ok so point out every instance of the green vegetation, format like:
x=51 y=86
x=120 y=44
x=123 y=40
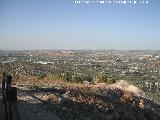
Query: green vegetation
x=105 y=79
x=107 y=66
x=41 y=76
x=154 y=95
x=68 y=77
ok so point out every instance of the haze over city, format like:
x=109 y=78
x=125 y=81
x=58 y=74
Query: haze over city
x=62 y=24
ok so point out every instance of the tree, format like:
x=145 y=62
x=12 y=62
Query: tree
x=104 y=79
x=68 y=76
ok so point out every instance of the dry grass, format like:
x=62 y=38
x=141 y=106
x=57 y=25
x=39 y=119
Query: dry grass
x=79 y=101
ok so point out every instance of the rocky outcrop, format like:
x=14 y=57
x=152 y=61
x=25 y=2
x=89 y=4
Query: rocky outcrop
x=125 y=86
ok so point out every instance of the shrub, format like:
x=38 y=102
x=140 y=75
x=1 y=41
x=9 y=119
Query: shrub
x=103 y=78
x=42 y=76
x=68 y=77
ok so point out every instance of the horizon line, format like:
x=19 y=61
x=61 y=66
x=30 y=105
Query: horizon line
x=93 y=49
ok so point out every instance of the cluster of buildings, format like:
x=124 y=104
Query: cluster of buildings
x=130 y=65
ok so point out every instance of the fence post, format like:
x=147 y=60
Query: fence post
x=3 y=87
x=9 y=96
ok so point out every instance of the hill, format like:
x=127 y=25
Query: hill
x=61 y=100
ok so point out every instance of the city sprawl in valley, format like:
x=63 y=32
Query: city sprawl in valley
x=140 y=67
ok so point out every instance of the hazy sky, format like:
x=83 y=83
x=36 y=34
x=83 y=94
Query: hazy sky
x=62 y=24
